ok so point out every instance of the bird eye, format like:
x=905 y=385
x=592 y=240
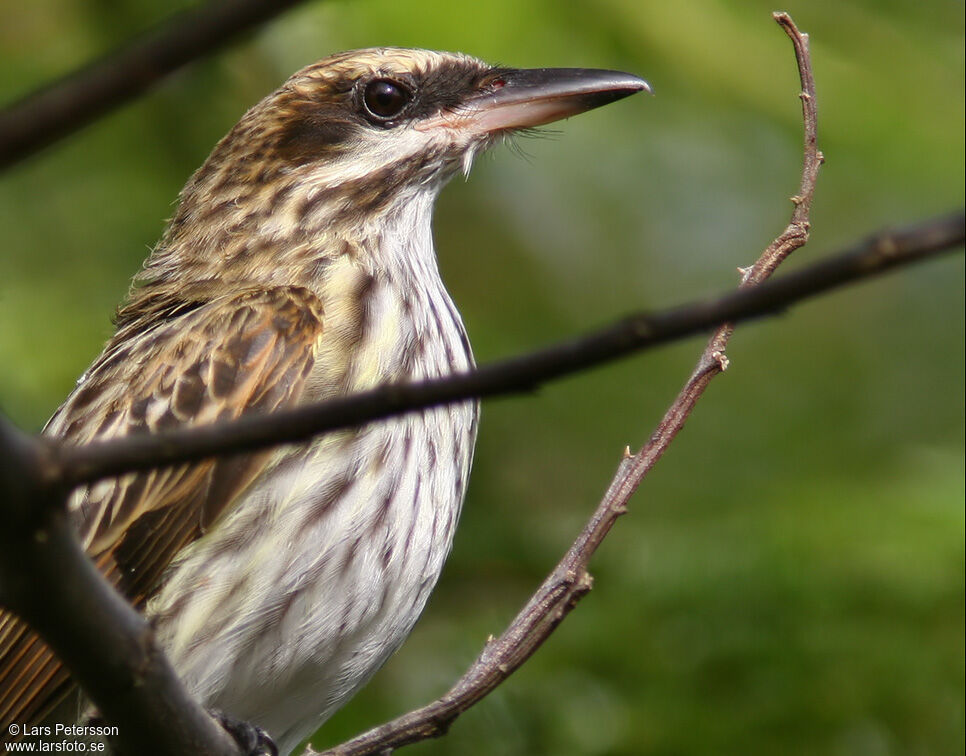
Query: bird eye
x=385 y=99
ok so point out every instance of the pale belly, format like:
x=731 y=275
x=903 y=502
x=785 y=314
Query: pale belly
x=281 y=612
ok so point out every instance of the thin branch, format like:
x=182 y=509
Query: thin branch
x=75 y=465
x=796 y=234
x=69 y=104
x=713 y=360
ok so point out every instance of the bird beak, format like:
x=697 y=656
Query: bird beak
x=524 y=98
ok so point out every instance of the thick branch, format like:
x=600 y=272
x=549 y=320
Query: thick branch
x=111 y=651
x=882 y=252
x=67 y=105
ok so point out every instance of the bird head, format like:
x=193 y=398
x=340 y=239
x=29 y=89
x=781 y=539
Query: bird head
x=404 y=117
x=349 y=143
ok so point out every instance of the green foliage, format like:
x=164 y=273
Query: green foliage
x=790 y=579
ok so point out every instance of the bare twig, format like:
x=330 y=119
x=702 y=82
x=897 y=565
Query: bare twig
x=713 y=360
x=67 y=105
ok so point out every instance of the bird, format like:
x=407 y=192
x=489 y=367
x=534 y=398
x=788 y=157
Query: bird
x=299 y=266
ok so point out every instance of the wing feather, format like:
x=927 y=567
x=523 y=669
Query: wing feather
x=247 y=352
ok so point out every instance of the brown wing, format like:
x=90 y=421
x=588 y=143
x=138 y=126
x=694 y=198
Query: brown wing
x=249 y=352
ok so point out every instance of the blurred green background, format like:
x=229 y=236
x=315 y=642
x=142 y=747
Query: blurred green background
x=790 y=578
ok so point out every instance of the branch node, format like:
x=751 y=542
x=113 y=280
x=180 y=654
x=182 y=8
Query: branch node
x=886 y=247
x=640 y=326
x=571 y=577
